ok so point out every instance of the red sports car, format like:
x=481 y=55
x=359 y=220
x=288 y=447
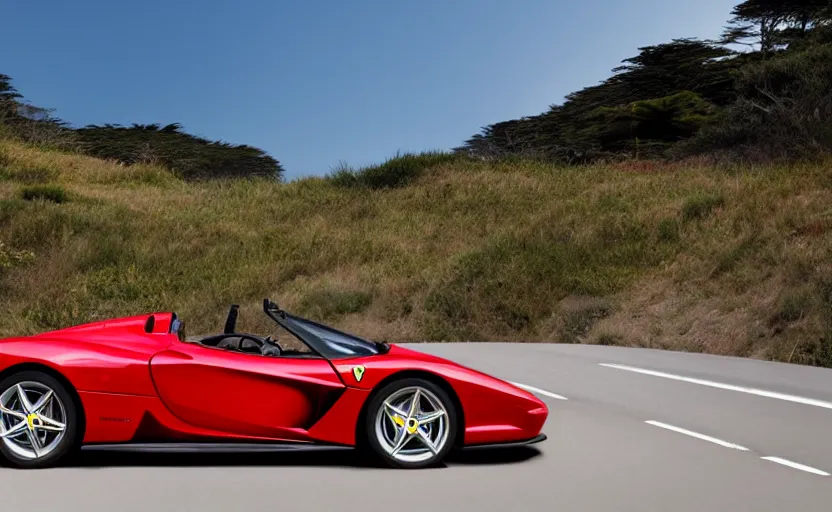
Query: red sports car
x=139 y=381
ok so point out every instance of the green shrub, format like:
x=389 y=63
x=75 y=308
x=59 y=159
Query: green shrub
x=579 y=319
x=511 y=281
x=5 y=161
x=395 y=172
x=610 y=340
x=28 y=174
x=701 y=206
x=729 y=259
x=669 y=230
x=794 y=306
x=647 y=127
x=344 y=176
x=824 y=354
x=327 y=303
x=140 y=174
x=784 y=111
x=52 y=193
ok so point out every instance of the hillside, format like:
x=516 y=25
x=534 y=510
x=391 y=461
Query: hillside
x=758 y=93
x=676 y=256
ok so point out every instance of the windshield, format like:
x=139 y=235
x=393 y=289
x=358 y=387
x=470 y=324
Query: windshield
x=324 y=341
x=337 y=344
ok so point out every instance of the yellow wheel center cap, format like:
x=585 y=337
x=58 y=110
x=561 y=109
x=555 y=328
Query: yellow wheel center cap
x=412 y=426
x=31 y=420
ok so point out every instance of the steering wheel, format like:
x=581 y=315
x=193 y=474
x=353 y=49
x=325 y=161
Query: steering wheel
x=270 y=347
x=265 y=347
x=258 y=342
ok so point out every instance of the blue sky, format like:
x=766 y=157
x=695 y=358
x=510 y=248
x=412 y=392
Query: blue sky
x=318 y=82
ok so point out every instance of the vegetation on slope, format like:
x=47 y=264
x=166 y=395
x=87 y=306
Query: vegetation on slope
x=690 y=96
x=502 y=239
x=189 y=156
x=679 y=256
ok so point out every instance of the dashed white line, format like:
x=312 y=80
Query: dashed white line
x=719 y=385
x=539 y=391
x=795 y=465
x=778 y=460
x=697 y=435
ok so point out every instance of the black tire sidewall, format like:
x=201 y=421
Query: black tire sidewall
x=377 y=401
x=71 y=433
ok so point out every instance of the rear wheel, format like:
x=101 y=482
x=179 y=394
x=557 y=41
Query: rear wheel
x=38 y=420
x=411 y=423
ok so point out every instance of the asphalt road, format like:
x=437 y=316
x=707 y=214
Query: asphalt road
x=660 y=431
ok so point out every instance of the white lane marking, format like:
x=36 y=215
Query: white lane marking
x=538 y=390
x=795 y=465
x=730 y=387
x=697 y=435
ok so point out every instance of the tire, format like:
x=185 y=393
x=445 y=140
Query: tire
x=60 y=409
x=381 y=430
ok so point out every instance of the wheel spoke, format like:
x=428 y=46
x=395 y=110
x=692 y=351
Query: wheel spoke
x=50 y=424
x=426 y=441
x=50 y=428
x=401 y=439
x=42 y=402
x=16 y=414
x=396 y=415
x=414 y=403
x=35 y=442
x=24 y=400
x=430 y=417
x=15 y=430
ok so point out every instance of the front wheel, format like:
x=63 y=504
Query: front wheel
x=37 y=420
x=411 y=423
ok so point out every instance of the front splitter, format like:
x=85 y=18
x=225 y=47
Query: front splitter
x=510 y=444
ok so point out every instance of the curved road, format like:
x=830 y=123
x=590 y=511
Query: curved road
x=629 y=429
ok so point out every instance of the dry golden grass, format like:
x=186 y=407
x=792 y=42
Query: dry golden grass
x=683 y=257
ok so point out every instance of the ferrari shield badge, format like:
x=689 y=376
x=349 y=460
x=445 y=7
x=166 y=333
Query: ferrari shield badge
x=358 y=373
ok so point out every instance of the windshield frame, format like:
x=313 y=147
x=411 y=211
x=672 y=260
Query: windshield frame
x=303 y=329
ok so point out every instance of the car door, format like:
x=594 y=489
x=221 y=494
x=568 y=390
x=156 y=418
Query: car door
x=244 y=394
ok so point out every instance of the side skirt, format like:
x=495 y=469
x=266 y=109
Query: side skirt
x=213 y=447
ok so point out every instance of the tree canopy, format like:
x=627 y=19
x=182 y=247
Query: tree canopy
x=191 y=156
x=665 y=94
x=169 y=145
x=685 y=93
x=578 y=129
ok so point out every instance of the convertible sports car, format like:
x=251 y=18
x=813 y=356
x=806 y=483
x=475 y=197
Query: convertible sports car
x=139 y=381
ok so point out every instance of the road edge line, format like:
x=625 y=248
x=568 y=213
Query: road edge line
x=730 y=387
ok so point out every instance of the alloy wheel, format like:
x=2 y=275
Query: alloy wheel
x=32 y=420
x=412 y=425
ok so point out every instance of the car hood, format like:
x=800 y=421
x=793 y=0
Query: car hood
x=374 y=369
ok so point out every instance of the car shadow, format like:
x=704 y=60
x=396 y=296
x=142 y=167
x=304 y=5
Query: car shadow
x=345 y=458
x=494 y=456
